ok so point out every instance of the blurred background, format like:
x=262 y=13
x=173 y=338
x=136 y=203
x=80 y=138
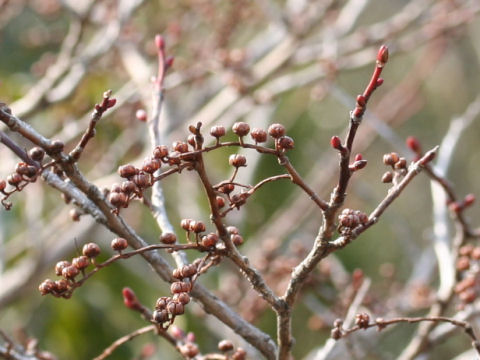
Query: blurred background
x=297 y=62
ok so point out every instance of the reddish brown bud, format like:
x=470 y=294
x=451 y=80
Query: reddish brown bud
x=169 y=62
x=111 y=103
x=56 y=146
x=118 y=199
x=413 y=144
x=361 y=101
x=3 y=185
x=80 y=262
x=362 y=320
x=174 y=158
x=217 y=131
x=46 y=287
x=180 y=146
x=286 y=143
x=388 y=160
x=160 y=316
x=151 y=165
x=232 y=230
x=241 y=128
x=185 y=224
x=160 y=152
x=227 y=188
x=210 y=240
x=239 y=354
x=141 y=180
x=141 y=115
x=258 y=135
x=179 y=286
x=220 y=202
x=387 y=177
x=237 y=160
x=119 y=244
x=188 y=270
x=162 y=302
x=379 y=82
x=358 y=165
x=382 y=55
x=182 y=298
x=75 y=214
x=401 y=163
x=61 y=285
x=191 y=140
x=60 y=266
x=129 y=298
x=168 y=238
x=276 y=130
x=70 y=272
x=175 y=308
x=115 y=188
x=36 y=153
x=197 y=226
x=336 y=143
x=358 y=157
x=128 y=187
x=225 y=345
x=127 y=171
x=14 y=179
x=189 y=350
x=236 y=239
x=91 y=250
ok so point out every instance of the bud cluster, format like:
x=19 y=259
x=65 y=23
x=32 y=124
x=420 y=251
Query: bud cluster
x=350 y=219
x=468 y=266
x=398 y=165
x=167 y=308
x=69 y=270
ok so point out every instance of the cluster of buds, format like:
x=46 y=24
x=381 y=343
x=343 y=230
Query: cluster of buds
x=187 y=346
x=69 y=270
x=362 y=320
x=167 y=308
x=24 y=174
x=350 y=219
x=398 y=165
x=468 y=266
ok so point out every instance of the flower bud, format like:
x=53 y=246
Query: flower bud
x=46 y=287
x=217 y=131
x=286 y=143
x=127 y=171
x=60 y=266
x=119 y=244
x=382 y=55
x=241 y=128
x=141 y=115
x=237 y=160
x=36 y=153
x=80 y=262
x=225 y=345
x=160 y=152
x=91 y=250
x=70 y=272
x=258 y=135
x=210 y=240
x=168 y=238
x=276 y=130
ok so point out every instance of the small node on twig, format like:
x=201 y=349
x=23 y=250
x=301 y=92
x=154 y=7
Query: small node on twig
x=75 y=214
x=387 y=177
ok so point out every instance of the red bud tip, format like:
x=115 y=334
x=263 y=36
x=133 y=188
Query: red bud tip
x=129 y=298
x=159 y=42
x=379 y=82
x=141 y=115
x=455 y=207
x=382 y=55
x=469 y=199
x=111 y=103
x=358 y=157
x=413 y=144
x=336 y=142
x=361 y=100
x=169 y=62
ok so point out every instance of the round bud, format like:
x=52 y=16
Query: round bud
x=241 y=128
x=141 y=115
x=276 y=130
x=14 y=179
x=191 y=140
x=162 y=302
x=128 y=187
x=336 y=143
x=185 y=224
x=151 y=165
x=388 y=160
x=177 y=274
x=182 y=298
x=387 y=177
x=91 y=250
x=401 y=163
x=227 y=188
x=118 y=199
x=237 y=160
x=46 y=287
x=61 y=285
x=225 y=345
x=168 y=238
x=413 y=144
x=286 y=143
x=258 y=135
x=56 y=146
x=80 y=262
x=119 y=244
x=236 y=239
x=179 y=286
x=174 y=158
x=36 y=153
x=175 y=308
x=160 y=316
x=210 y=240
x=3 y=185
x=70 y=272
x=180 y=146
x=395 y=157
x=141 y=180
x=362 y=320
x=21 y=168
x=189 y=350
x=160 y=152
x=197 y=226
x=60 y=266
x=232 y=230
x=217 y=131
x=115 y=188
x=220 y=202
x=127 y=171
x=188 y=270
